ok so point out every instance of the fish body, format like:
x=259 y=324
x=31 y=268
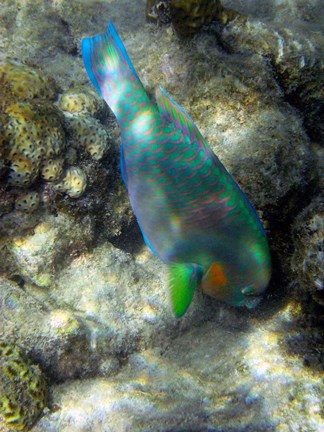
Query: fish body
x=192 y=213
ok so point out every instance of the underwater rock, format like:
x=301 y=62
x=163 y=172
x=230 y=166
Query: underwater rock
x=308 y=258
x=37 y=256
x=158 y=10
x=57 y=339
x=237 y=105
x=97 y=310
x=226 y=375
x=23 y=389
x=294 y=52
x=188 y=17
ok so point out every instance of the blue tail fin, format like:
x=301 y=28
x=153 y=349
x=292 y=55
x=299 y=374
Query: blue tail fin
x=107 y=62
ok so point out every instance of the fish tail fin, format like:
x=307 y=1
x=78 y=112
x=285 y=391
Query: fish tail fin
x=183 y=280
x=109 y=67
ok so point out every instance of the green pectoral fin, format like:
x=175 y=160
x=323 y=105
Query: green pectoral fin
x=183 y=279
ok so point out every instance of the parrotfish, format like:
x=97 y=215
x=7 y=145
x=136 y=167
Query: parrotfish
x=191 y=212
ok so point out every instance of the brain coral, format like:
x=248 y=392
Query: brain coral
x=23 y=389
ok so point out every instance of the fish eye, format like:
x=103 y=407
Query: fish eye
x=248 y=290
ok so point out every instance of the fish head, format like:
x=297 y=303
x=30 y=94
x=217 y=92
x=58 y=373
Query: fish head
x=241 y=281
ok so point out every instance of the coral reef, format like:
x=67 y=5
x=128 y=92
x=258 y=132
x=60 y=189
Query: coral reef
x=48 y=149
x=90 y=134
x=23 y=389
x=27 y=202
x=73 y=183
x=308 y=257
x=96 y=318
x=81 y=100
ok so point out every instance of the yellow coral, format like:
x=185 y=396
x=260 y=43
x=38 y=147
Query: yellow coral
x=27 y=202
x=23 y=389
x=73 y=183
x=52 y=169
x=90 y=134
x=33 y=134
x=23 y=171
x=25 y=82
x=81 y=100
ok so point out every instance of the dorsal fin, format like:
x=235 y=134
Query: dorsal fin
x=174 y=113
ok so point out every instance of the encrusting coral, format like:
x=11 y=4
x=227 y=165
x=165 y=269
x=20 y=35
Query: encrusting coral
x=89 y=134
x=27 y=202
x=33 y=133
x=39 y=132
x=80 y=100
x=73 y=183
x=23 y=389
x=33 y=128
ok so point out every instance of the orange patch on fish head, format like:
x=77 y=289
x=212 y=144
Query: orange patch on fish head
x=215 y=282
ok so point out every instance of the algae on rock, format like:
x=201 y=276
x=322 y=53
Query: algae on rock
x=225 y=375
x=308 y=258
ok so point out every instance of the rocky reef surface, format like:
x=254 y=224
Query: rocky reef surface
x=83 y=302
